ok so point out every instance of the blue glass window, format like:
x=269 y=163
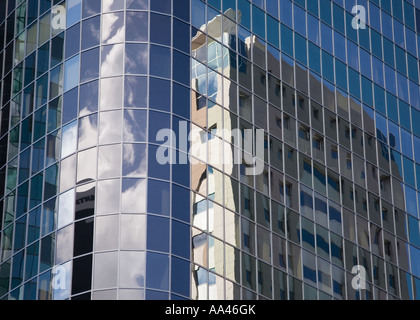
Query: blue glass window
x=409 y=176
x=245 y=8
x=181 y=239
x=138 y=24
x=387 y=25
x=158 y=233
x=402 y=87
x=286 y=12
x=160 y=28
x=353 y=55
x=415 y=261
x=182 y=9
x=314 y=58
x=405 y=115
x=71 y=73
x=157 y=271
x=74 y=12
x=163 y=6
x=198 y=9
x=338 y=14
x=328 y=66
x=367 y=96
x=365 y=65
x=300 y=19
x=325 y=11
x=157 y=169
x=300 y=49
x=273 y=31
x=312 y=7
x=160 y=92
x=354 y=83
x=180 y=278
x=160 y=61
x=376 y=39
x=390 y=80
x=313 y=29
x=258 y=21
x=158 y=197
x=326 y=38
x=339 y=46
x=287 y=40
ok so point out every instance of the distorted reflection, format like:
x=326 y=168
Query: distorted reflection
x=110 y=127
x=88 y=98
x=112 y=60
x=136 y=58
x=69 y=143
x=109 y=162
x=138 y=24
x=87 y=162
x=108 y=196
x=133 y=232
x=66 y=209
x=68 y=173
x=133 y=196
x=134 y=160
x=113 y=29
x=135 y=125
x=106 y=233
x=88 y=131
x=111 y=93
x=64 y=251
x=135 y=92
x=132 y=269
x=105 y=270
x=85 y=201
x=71 y=73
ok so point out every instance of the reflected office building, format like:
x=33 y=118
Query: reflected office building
x=88 y=209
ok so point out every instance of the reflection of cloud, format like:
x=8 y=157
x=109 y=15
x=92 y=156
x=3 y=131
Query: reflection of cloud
x=69 y=143
x=137 y=61
x=110 y=5
x=86 y=165
x=129 y=92
x=64 y=240
x=88 y=98
x=134 y=157
x=112 y=60
x=66 y=209
x=88 y=132
x=108 y=196
x=109 y=161
x=113 y=28
x=110 y=129
x=134 y=197
x=111 y=93
x=135 y=92
x=133 y=122
x=134 y=235
x=132 y=269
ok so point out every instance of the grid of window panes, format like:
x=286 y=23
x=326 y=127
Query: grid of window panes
x=75 y=155
x=339 y=108
x=81 y=108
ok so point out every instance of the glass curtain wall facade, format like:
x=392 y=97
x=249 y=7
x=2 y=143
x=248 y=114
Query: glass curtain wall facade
x=89 y=212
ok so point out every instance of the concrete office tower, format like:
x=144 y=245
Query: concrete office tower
x=106 y=193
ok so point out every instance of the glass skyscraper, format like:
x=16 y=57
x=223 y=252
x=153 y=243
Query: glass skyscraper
x=121 y=121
